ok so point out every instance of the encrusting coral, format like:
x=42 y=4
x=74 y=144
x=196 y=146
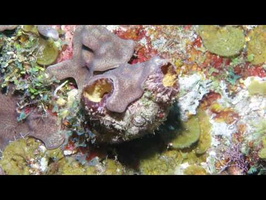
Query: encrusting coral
x=46 y=128
x=256 y=45
x=224 y=41
x=95 y=49
x=36 y=125
x=10 y=128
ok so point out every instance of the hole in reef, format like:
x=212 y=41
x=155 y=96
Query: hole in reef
x=97 y=90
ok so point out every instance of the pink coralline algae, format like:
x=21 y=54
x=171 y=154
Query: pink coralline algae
x=95 y=49
x=131 y=100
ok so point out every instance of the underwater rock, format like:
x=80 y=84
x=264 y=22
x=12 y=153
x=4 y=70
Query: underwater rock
x=224 y=41
x=131 y=100
x=257 y=45
x=48 y=31
x=47 y=53
x=95 y=49
x=7 y=27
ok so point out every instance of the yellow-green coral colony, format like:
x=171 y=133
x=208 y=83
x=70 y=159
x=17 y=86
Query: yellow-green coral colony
x=205 y=128
x=257 y=88
x=189 y=135
x=48 y=52
x=18 y=156
x=257 y=45
x=195 y=170
x=224 y=41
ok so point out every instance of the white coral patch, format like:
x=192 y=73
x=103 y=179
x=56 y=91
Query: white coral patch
x=193 y=88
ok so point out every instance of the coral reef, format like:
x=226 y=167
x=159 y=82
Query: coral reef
x=224 y=41
x=120 y=110
x=28 y=156
x=150 y=99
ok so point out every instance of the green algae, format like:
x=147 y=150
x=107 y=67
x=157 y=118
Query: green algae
x=225 y=41
x=189 y=135
x=113 y=167
x=48 y=52
x=70 y=166
x=161 y=164
x=19 y=157
x=205 y=137
x=257 y=45
x=195 y=170
x=16 y=156
x=262 y=153
x=257 y=87
x=30 y=28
